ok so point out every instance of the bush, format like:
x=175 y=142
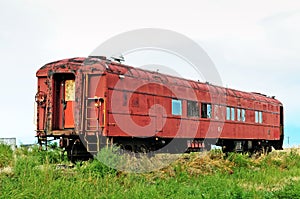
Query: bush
x=240 y=160
x=104 y=164
x=292 y=159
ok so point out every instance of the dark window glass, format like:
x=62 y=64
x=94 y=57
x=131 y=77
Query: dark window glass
x=192 y=109
x=205 y=110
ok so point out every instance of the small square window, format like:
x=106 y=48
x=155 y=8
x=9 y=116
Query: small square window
x=176 y=107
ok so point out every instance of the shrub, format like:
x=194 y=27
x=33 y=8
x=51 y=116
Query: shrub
x=105 y=163
x=240 y=160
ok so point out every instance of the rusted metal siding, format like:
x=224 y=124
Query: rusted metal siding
x=268 y=130
x=46 y=124
x=146 y=96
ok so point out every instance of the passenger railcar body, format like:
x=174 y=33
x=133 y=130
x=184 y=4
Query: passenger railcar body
x=93 y=102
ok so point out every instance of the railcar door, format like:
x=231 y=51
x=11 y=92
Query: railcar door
x=63 y=100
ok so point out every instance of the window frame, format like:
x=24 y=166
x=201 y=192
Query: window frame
x=194 y=105
x=243 y=115
x=230 y=113
x=232 y=110
x=238 y=114
x=174 y=103
x=258 y=117
x=208 y=110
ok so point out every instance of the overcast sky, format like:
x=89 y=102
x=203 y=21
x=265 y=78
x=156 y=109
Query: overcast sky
x=255 y=45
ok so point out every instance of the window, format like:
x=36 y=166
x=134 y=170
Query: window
x=238 y=114
x=192 y=109
x=258 y=117
x=230 y=113
x=70 y=90
x=176 y=107
x=227 y=113
x=243 y=115
x=205 y=110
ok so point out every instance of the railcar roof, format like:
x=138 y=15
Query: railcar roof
x=121 y=69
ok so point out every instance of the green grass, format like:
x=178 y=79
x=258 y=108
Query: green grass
x=35 y=174
x=6 y=155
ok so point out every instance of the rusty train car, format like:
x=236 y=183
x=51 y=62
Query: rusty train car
x=90 y=103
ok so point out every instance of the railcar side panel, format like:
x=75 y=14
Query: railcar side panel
x=122 y=102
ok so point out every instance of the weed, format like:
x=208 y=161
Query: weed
x=240 y=160
x=6 y=155
x=198 y=175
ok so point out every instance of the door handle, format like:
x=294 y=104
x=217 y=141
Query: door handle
x=64 y=102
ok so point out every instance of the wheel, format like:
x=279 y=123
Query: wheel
x=228 y=146
x=267 y=149
x=78 y=152
x=143 y=149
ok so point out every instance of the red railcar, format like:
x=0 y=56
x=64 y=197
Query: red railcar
x=93 y=102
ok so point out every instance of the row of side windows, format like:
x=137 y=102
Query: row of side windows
x=240 y=114
x=192 y=108
x=206 y=111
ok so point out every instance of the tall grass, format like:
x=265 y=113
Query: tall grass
x=6 y=155
x=36 y=174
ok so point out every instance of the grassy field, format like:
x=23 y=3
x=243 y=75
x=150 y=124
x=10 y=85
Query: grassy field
x=44 y=174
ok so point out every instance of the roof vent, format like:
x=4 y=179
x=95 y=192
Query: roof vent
x=118 y=58
x=98 y=57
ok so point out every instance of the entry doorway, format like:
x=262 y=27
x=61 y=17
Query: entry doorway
x=63 y=101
